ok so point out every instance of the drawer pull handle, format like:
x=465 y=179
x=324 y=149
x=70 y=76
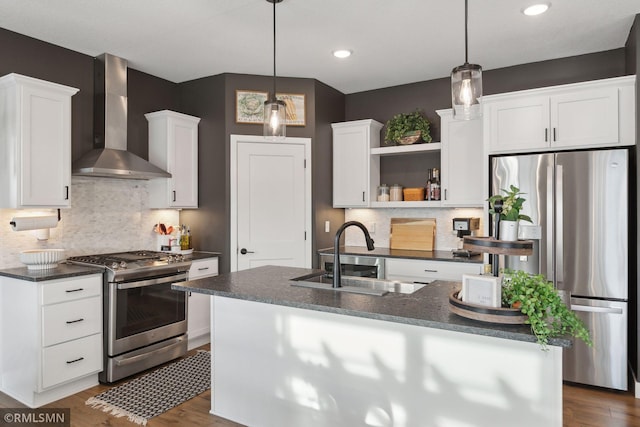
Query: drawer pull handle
x=431 y=271
x=74 y=290
x=69 y=362
x=422 y=283
x=74 y=321
x=203 y=268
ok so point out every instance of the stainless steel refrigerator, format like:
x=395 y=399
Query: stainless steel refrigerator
x=579 y=200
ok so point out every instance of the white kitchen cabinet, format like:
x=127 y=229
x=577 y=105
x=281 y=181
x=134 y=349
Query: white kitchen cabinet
x=356 y=174
x=173 y=146
x=199 y=313
x=582 y=115
x=35 y=143
x=462 y=161
x=51 y=337
x=425 y=271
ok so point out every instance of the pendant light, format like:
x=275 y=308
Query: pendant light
x=275 y=127
x=466 y=83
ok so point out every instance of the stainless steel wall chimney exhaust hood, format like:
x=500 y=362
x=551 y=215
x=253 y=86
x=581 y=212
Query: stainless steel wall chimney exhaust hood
x=110 y=157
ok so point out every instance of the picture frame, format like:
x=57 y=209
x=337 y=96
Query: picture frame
x=296 y=111
x=482 y=290
x=250 y=106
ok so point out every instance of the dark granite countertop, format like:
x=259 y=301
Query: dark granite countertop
x=62 y=271
x=402 y=253
x=428 y=307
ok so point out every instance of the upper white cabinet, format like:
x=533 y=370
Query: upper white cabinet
x=581 y=115
x=461 y=159
x=35 y=143
x=173 y=146
x=355 y=174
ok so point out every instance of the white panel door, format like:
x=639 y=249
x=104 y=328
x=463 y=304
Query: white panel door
x=271 y=205
x=587 y=117
x=46 y=147
x=519 y=124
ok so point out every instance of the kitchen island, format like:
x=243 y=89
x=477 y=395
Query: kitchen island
x=285 y=355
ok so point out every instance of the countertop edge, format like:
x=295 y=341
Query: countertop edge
x=62 y=271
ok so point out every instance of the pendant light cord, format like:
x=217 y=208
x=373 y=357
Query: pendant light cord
x=274 y=50
x=466 y=38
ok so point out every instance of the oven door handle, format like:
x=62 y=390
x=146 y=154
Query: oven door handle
x=138 y=358
x=155 y=281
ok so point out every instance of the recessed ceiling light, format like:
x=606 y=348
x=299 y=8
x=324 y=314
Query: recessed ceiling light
x=342 y=53
x=536 y=9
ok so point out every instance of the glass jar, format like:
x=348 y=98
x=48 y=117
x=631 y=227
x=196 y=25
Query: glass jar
x=383 y=193
x=395 y=193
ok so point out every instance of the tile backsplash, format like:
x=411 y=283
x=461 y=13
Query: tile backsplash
x=446 y=238
x=106 y=215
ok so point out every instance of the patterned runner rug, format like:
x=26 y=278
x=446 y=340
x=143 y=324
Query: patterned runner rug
x=156 y=392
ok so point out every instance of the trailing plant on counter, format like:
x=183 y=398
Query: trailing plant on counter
x=511 y=204
x=401 y=124
x=547 y=314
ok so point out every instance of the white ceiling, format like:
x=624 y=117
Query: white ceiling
x=394 y=42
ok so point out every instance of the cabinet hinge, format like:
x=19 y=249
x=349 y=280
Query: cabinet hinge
x=305 y=235
x=305 y=163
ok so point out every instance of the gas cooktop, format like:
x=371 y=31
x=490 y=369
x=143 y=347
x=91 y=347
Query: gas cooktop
x=135 y=262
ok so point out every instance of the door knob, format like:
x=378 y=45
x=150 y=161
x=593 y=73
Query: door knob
x=244 y=251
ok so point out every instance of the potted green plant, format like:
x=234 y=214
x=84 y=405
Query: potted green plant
x=547 y=314
x=510 y=213
x=407 y=128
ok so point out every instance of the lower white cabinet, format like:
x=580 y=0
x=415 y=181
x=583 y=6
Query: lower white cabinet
x=199 y=315
x=421 y=271
x=51 y=337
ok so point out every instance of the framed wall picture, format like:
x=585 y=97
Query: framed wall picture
x=250 y=106
x=295 y=103
x=482 y=290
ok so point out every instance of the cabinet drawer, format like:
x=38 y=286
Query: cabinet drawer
x=71 y=360
x=428 y=271
x=70 y=320
x=71 y=289
x=203 y=268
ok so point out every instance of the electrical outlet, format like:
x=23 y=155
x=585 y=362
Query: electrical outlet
x=327 y=226
x=372 y=228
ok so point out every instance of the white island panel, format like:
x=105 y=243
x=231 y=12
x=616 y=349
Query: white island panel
x=282 y=366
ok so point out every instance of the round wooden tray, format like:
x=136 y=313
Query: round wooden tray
x=498 y=247
x=511 y=316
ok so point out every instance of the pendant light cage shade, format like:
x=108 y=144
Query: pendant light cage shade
x=275 y=114
x=466 y=91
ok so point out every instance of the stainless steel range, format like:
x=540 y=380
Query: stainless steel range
x=145 y=321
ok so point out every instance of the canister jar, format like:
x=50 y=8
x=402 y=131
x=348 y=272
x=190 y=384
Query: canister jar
x=383 y=193
x=395 y=193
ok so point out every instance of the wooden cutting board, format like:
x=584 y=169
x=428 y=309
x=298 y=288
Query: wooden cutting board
x=417 y=234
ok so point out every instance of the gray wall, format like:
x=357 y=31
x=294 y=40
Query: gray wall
x=433 y=95
x=213 y=99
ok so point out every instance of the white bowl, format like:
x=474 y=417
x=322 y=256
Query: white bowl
x=38 y=259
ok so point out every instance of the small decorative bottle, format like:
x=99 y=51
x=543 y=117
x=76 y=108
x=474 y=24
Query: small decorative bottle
x=427 y=188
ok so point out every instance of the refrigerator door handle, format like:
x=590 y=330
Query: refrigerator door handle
x=612 y=310
x=550 y=259
x=559 y=255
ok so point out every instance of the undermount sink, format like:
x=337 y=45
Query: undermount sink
x=358 y=285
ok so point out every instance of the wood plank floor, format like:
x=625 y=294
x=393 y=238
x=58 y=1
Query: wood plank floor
x=582 y=407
